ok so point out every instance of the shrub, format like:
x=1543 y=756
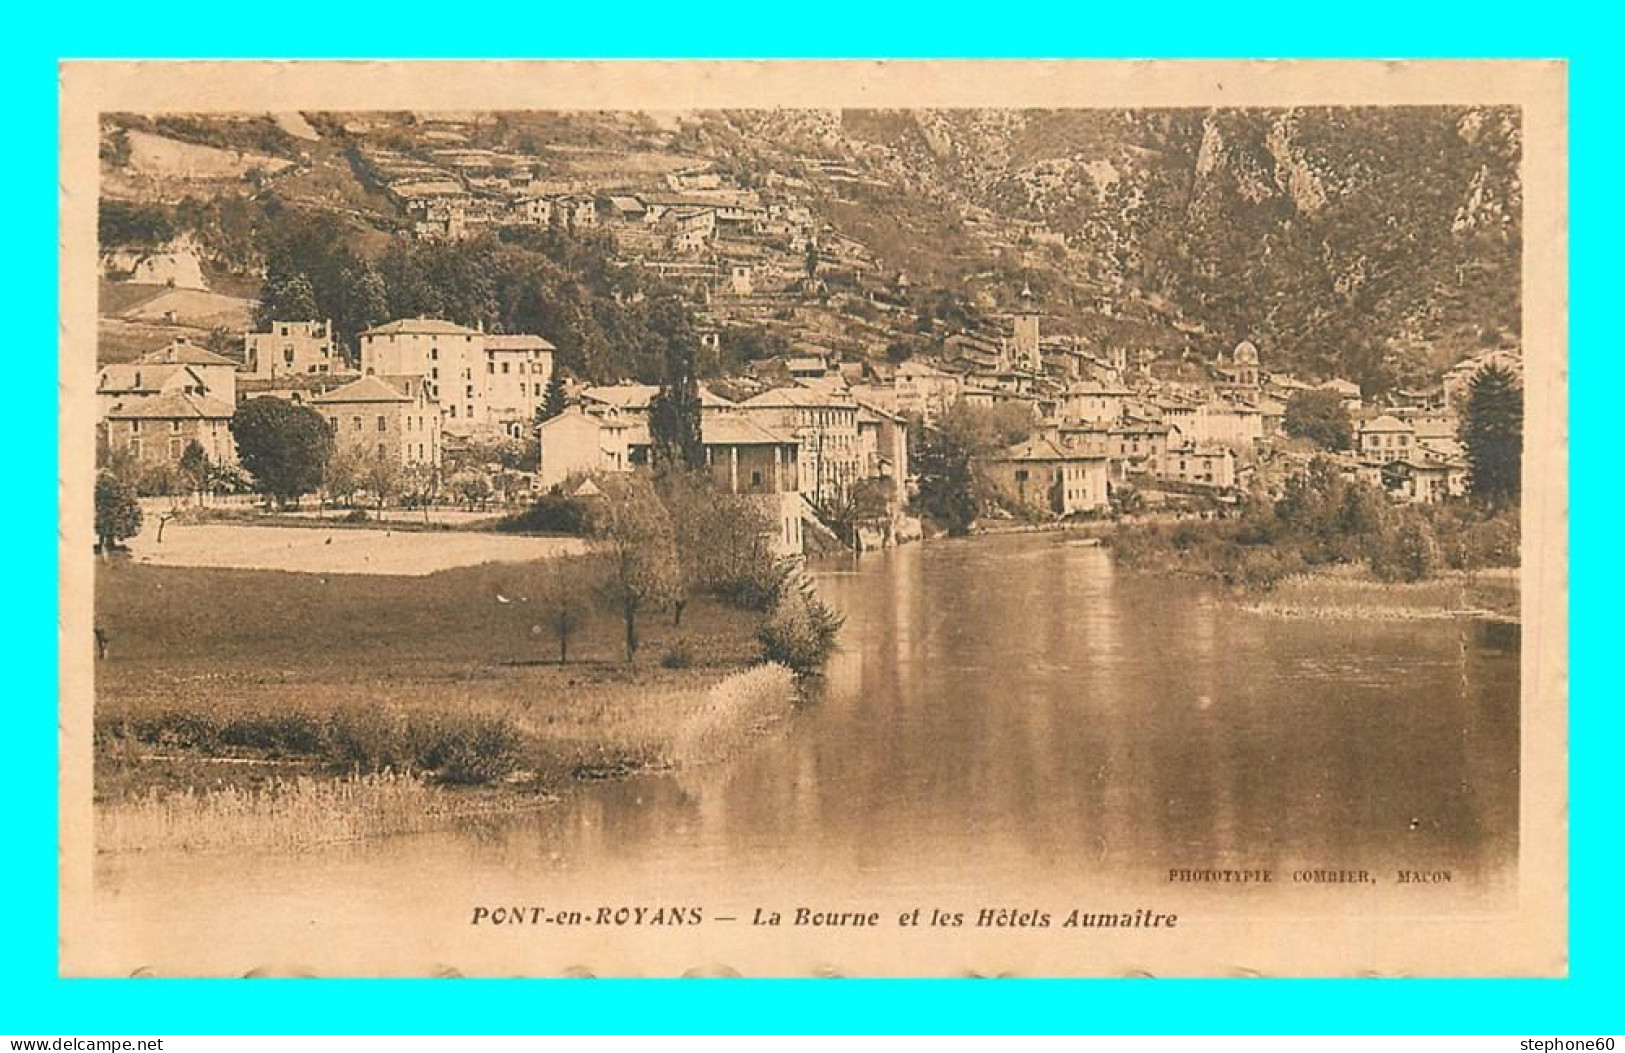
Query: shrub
x=678 y=656
x=464 y=749
x=356 y=515
x=1406 y=553
x=1260 y=569
x=756 y=585
x=800 y=631
x=549 y=514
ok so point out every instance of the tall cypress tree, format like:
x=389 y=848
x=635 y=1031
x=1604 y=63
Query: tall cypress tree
x=553 y=399
x=1492 y=431
x=674 y=412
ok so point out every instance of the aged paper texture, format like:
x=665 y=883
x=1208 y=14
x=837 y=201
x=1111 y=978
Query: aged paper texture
x=814 y=518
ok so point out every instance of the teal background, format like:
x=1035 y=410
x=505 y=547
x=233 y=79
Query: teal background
x=32 y=1000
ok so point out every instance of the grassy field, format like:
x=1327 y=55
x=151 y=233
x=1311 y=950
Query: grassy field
x=336 y=548
x=243 y=683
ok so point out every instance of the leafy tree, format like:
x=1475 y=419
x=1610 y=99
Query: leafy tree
x=1492 y=431
x=1320 y=417
x=951 y=489
x=720 y=539
x=473 y=487
x=283 y=446
x=564 y=603
x=127 y=223
x=225 y=342
x=1407 y=552
x=341 y=476
x=638 y=550
x=118 y=513
x=361 y=300
x=383 y=476
x=195 y=468
x=291 y=298
x=801 y=629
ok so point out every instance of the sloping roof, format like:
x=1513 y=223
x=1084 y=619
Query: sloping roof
x=1041 y=449
x=172 y=407
x=1386 y=422
x=722 y=429
x=1201 y=449
x=730 y=429
x=1094 y=387
x=638 y=396
x=912 y=368
x=367 y=389
x=183 y=353
x=420 y=326
x=877 y=412
x=134 y=378
x=797 y=397
x=517 y=342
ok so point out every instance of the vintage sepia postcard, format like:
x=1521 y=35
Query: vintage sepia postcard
x=914 y=519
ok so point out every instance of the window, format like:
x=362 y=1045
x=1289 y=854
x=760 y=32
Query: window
x=332 y=424
x=174 y=425
x=470 y=410
x=356 y=421
x=756 y=478
x=434 y=354
x=491 y=367
x=1021 y=475
x=135 y=448
x=504 y=367
x=135 y=427
x=451 y=411
x=383 y=423
x=174 y=448
x=434 y=372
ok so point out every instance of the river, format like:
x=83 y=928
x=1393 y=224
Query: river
x=1011 y=721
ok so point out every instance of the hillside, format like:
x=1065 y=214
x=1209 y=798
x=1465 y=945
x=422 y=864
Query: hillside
x=1371 y=243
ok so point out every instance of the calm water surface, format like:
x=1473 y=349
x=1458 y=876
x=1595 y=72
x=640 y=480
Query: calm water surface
x=1010 y=722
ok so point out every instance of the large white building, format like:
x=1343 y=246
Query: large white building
x=484 y=383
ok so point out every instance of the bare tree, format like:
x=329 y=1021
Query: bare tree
x=637 y=548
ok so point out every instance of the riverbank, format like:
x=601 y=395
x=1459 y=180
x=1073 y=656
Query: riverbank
x=1352 y=593
x=230 y=701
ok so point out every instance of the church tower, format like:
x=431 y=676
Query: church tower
x=1024 y=338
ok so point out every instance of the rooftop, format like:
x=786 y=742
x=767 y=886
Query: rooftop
x=183 y=353
x=420 y=327
x=172 y=407
x=367 y=389
x=1041 y=449
x=517 y=342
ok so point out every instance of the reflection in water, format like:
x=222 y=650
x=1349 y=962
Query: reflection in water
x=1007 y=716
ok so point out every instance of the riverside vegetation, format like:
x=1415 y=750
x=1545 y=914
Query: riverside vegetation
x=1358 y=550
x=279 y=709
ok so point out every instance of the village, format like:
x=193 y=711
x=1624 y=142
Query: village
x=823 y=427
x=829 y=451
